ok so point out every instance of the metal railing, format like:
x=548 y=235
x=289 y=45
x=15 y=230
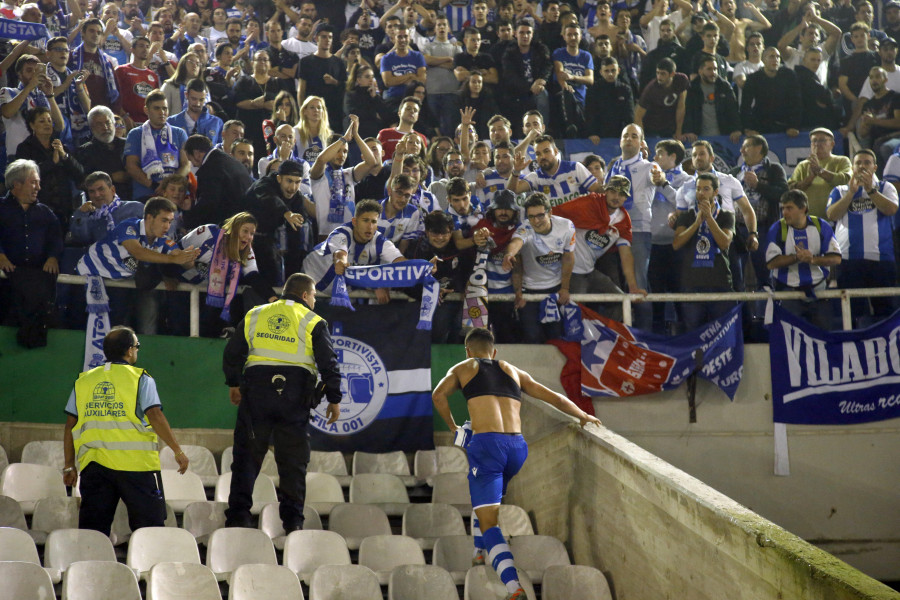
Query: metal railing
x=626 y=300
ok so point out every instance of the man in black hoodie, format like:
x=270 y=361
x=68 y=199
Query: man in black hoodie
x=710 y=105
x=668 y=47
x=771 y=99
x=526 y=74
x=817 y=101
x=610 y=103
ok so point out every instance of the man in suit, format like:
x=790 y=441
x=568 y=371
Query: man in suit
x=221 y=183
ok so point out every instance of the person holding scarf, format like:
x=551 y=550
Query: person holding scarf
x=70 y=91
x=226 y=260
x=705 y=232
x=333 y=186
x=89 y=57
x=34 y=90
x=154 y=149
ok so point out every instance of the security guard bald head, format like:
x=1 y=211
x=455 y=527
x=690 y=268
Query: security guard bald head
x=302 y=286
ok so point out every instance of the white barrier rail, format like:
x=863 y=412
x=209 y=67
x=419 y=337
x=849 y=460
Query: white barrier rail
x=626 y=300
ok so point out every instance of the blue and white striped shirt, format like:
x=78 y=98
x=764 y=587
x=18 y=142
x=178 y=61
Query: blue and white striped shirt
x=319 y=264
x=572 y=179
x=865 y=232
x=109 y=258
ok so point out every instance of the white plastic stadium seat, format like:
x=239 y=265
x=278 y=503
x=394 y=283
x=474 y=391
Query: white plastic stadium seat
x=202 y=462
x=231 y=547
x=454 y=554
x=443 y=459
x=67 y=546
x=270 y=522
x=381 y=489
x=453 y=488
x=534 y=553
x=332 y=463
x=483 y=583
x=182 y=581
x=50 y=514
x=149 y=546
x=11 y=514
x=96 y=580
x=28 y=483
x=427 y=522
x=49 y=453
x=307 y=550
x=264 y=582
x=17 y=545
x=391 y=463
x=263 y=491
x=202 y=518
x=513 y=521
x=382 y=553
x=182 y=488
x=323 y=492
x=358 y=521
x=421 y=582
x=269 y=467
x=574 y=581
x=25 y=581
x=344 y=582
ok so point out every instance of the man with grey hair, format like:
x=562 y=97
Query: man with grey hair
x=31 y=244
x=103 y=152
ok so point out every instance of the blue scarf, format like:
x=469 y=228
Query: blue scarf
x=404 y=274
x=752 y=195
x=670 y=177
x=706 y=248
x=76 y=63
x=338 y=202
x=549 y=309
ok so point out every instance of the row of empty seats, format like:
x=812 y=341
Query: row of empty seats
x=28 y=483
x=96 y=580
x=304 y=552
x=426 y=464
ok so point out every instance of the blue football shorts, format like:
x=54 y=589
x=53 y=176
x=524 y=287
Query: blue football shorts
x=494 y=458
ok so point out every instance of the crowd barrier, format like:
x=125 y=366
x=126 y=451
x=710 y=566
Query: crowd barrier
x=626 y=300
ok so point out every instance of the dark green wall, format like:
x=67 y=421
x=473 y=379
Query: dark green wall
x=35 y=384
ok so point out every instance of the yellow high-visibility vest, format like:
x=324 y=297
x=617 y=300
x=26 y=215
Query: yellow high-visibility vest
x=280 y=334
x=107 y=430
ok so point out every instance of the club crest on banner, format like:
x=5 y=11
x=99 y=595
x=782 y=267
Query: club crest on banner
x=364 y=388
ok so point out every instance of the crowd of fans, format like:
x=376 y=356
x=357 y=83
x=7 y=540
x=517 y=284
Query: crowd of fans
x=209 y=141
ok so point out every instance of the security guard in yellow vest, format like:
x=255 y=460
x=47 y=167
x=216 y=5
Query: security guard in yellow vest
x=270 y=365
x=107 y=433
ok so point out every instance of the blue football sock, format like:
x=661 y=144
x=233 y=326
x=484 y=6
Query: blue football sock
x=501 y=558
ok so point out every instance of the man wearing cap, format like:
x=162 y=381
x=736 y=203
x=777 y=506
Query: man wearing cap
x=602 y=231
x=821 y=172
x=891 y=21
x=887 y=51
x=274 y=200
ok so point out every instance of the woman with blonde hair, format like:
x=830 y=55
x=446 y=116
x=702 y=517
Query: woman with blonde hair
x=312 y=131
x=226 y=259
x=188 y=68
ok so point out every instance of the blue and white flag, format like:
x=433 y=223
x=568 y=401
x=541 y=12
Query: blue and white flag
x=834 y=377
x=385 y=364
x=97 y=324
x=10 y=29
x=620 y=361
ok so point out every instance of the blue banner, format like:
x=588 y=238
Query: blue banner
x=788 y=151
x=619 y=361
x=21 y=30
x=834 y=377
x=385 y=367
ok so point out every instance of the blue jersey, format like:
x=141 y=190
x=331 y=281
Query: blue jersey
x=208 y=125
x=576 y=65
x=406 y=225
x=465 y=223
x=109 y=258
x=817 y=237
x=319 y=264
x=864 y=232
x=572 y=179
x=400 y=65
x=459 y=12
x=133 y=145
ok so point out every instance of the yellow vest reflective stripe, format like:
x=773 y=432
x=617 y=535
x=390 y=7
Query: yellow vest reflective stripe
x=280 y=334
x=108 y=431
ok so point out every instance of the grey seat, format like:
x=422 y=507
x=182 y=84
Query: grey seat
x=150 y=546
x=390 y=463
x=332 y=463
x=264 y=582
x=182 y=581
x=182 y=489
x=45 y=452
x=513 y=521
x=344 y=582
x=443 y=459
x=263 y=491
x=28 y=483
x=50 y=514
x=383 y=553
x=323 y=492
x=99 y=580
x=202 y=462
x=11 y=514
x=202 y=518
x=453 y=488
x=270 y=522
x=357 y=521
x=307 y=550
x=453 y=553
x=483 y=583
x=382 y=489
x=421 y=582
x=67 y=546
x=269 y=467
x=574 y=581
x=24 y=581
x=534 y=553
x=429 y=521
x=230 y=547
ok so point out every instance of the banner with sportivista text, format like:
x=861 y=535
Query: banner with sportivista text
x=385 y=364
x=834 y=377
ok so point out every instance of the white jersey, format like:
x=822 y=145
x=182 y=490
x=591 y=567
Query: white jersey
x=572 y=179
x=333 y=184
x=640 y=201
x=405 y=225
x=204 y=238
x=319 y=264
x=730 y=190
x=542 y=254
